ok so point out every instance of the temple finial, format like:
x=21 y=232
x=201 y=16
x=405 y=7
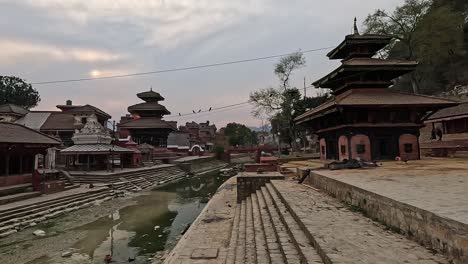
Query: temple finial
x=151 y=88
x=356 y=31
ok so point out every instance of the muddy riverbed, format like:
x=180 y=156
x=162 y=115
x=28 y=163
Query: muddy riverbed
x=137 y=229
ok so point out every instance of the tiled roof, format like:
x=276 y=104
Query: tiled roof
x=34 y=120
x=96 y=149
x=357 y=66
x=13 y=109
x=147 y=122
x=82 y=108
x=150 y=94
x=15 y=133
x=59 y=121
x=381 y=98
x=461 y=109
x=148 y=106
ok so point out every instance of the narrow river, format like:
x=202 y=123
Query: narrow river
x=135 y=233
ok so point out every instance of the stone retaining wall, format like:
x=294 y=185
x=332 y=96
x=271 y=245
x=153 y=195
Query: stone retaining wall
x=444 y=235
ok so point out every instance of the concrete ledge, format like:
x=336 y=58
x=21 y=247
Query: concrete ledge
x=444 y=235
x=207 y=240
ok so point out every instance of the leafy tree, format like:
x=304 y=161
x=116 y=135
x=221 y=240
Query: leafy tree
x=429 y=32
x=14 y=90
x=239 y=134
x=278 y=103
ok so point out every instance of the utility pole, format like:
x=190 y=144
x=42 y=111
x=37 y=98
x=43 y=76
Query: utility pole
x=305 y=89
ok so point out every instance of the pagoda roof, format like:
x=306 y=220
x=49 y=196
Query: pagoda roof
x=373 y=41
x=15 y=133
x=147 y=122
x=356 y=66
x=152 y=95
x=148 y=106
x=375 y=98
x=13 y=109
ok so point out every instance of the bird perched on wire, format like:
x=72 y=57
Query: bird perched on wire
x=179 y=114
x=193 y=111
x=199 y=111
x=209 y=110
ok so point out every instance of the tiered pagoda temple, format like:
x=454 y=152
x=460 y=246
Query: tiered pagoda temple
x=145 y=124
x=365 y=119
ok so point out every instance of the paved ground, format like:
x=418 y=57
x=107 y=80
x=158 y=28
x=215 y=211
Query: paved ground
x=346 y=236
x=437 y=185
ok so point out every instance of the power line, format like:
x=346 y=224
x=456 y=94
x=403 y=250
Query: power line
x=178 y=69
x=212 y=110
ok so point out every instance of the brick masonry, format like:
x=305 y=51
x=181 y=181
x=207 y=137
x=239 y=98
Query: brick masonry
x=444 y=235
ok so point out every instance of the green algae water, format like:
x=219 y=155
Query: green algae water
x=154 y=224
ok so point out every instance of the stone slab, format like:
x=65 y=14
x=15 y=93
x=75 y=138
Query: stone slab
x=204 y=253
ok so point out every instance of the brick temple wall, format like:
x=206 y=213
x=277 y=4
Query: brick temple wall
x=408 y=139
x=364 y=140
x=343 y=141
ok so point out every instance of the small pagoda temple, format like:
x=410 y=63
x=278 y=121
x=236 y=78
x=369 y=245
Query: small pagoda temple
x=366 y=120
x=145 y=124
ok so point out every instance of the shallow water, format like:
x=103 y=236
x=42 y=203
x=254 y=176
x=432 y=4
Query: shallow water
x=152 y=225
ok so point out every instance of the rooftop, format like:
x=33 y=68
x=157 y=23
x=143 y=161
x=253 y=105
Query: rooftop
x=451 y=112
x=150 y=96
x=95 y=149
x=147 y=122
x=148 y=106
x=375 y=43
x=14 y=133
x=13 y=109
x=377 y=98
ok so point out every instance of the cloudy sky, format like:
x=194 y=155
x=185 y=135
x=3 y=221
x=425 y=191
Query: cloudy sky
x=44 y=40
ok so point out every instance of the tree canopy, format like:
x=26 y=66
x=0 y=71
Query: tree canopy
x=240 y=135
x=14 y=90
x=434 y=33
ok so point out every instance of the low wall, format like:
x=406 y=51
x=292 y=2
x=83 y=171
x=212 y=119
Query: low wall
x=254 y=167
x=246 y=185
x=444 y=235
x=15 y=179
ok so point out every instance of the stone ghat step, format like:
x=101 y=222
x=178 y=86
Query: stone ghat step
x=144 y=183
x=116 y=178
x=264 y=232
x=343 y=236
x=4 y=214
x=13 y=189
x=17 y=197
x=32 y=220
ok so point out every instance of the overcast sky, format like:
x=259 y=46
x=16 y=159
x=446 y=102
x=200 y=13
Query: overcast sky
x=43 y=40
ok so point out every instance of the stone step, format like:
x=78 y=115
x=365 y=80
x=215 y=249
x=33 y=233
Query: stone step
x=301 y=241
x=26 y=222
x=240 y=245
x=27 y=207
x=14 y=189
x=287 y=243
x=342 y=236
x=17 y=197
x=231 y=256
x=261 y=250
x=275 y=253
x=249 y=233
x=13 y=216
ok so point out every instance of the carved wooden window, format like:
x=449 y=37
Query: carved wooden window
x=343 y=149
x=408 y=148
x=360 y=148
